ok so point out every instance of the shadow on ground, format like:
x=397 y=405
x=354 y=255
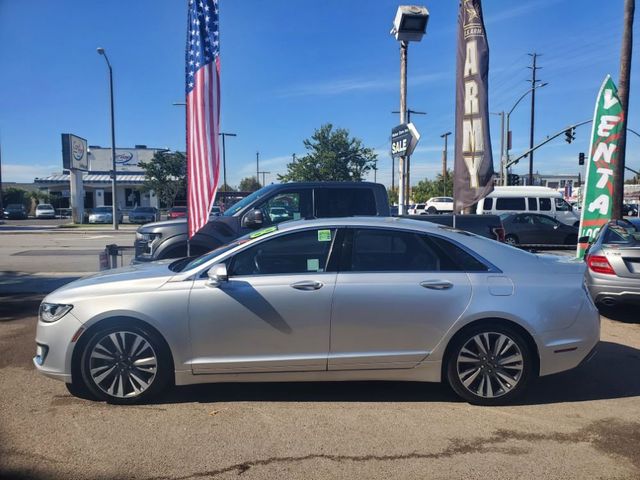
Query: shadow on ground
x=19 y=306
x=622 y=313
x=15 y=283
x=612 y=373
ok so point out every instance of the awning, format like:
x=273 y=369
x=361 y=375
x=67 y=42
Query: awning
x=131 y=178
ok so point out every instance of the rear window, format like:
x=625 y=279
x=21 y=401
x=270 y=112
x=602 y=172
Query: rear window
x=515 y=203
x=344 y=202
x=622 y=235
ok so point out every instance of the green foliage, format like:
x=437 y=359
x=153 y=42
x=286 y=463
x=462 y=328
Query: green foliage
x=166 y=176
x=249 y=184
x=425 y=189
x=226 y=188
x=332 y=156
x=393 y=195
x=15 y=195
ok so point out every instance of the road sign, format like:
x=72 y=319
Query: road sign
x=404 y=139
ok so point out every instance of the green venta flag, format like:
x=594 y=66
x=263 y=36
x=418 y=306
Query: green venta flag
x=597 y=198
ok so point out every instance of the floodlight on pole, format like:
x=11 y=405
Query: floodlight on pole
x=409 y=25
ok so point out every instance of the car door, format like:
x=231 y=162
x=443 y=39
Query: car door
x=396 y=295
x=525 y=228
x=549 y=231
x=273 y=313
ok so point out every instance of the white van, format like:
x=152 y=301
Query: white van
x=529 y=199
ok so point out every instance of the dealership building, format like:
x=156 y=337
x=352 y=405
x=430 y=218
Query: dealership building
x=96 y=180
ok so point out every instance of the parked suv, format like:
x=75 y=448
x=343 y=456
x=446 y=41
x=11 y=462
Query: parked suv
x=266 y=207
x=439 y=205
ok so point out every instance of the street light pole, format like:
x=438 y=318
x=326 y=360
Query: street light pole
x=404 y=47
x=224 y=157
x=113 y=144
x=444 y=164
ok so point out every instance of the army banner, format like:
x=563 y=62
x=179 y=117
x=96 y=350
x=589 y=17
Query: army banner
x=597 y=199
x=473 y=166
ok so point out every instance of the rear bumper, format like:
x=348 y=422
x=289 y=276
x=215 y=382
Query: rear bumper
x=613 y=290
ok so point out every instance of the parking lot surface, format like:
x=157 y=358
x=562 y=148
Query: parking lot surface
x=580 y=424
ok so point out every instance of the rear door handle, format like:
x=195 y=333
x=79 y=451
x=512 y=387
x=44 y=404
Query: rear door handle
x=307 y=285
x=437 y=284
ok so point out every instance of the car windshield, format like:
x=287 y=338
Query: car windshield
x=144 y=209
x=179 y=209
x=236 y=207
x=622 y=234
x=44 y=206
x=102 y=210
x=184 y=265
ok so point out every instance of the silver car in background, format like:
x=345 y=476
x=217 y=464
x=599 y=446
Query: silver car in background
x=613 y=260
x=332 y=299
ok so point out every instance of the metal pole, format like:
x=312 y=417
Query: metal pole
x=503 y=172
x=404 y=46
x=1 y=204
x=623 y=91
x=114 y=197
x=224 y=162
x=533 y=110
x=258 y=167
x=444 y=163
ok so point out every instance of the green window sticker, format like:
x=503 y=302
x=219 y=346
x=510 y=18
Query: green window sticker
x=313 y=265
x=262 y=232
x=324 y=235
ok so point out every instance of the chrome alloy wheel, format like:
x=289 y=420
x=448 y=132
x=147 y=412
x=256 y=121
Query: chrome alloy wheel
x=490 y=364
x=123 y=364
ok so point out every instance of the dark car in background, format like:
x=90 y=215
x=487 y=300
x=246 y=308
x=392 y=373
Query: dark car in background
x=15 y=211
x=488 y=226
x=144 y=215
x=613 y=264
x=532 y=229
x=177 y=212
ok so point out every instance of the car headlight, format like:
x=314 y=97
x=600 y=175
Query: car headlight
x=52 y=312
x=148 y=237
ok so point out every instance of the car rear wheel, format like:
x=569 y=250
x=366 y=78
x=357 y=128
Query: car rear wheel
x=490 y=365
x=511 y=239
x=125 y=365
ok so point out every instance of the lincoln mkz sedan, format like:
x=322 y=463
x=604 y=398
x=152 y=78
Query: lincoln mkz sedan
x=332 y=299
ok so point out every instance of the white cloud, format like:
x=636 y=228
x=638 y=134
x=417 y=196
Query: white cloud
x=12 y=172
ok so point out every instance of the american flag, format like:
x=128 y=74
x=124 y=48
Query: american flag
x=203 y=110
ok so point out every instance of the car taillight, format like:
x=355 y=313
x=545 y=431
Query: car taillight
x=499 y=233
x=600 y=264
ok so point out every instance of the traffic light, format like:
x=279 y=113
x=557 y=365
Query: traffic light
x=581 y=158
x=570 y=134
x=513 y=179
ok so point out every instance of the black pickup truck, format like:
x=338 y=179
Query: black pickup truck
x=268 y=206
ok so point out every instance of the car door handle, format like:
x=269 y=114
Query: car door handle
x=437 y=284
x=307 y=285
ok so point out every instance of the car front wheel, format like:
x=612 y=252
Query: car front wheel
x=490 y=365
x=125 y=364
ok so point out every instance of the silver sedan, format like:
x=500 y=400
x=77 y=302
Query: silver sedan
x=334 y=299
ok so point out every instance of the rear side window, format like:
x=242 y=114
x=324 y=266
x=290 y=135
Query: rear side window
x=378 y=250
x=344 y=202
x=545 y=204
x=515 y=203
x=533 y=204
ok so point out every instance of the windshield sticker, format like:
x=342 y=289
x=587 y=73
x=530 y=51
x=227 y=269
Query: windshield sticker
x=262 y=232
x=313 y=265
x=324 y=235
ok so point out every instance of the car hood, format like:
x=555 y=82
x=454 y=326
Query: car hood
x=134 y=278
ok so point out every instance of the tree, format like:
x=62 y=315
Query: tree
x=249 y=184
x=332 y=155
x=166 y=176
x=425 y=189
x=392 y=193
x=226 y=188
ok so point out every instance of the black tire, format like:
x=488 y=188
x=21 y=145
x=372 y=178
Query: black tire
x=80 y=390
x=432 y=210
x=511 y=239
x=499 y=390
x=135 y=383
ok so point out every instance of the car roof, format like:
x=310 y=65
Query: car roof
x=385 y=222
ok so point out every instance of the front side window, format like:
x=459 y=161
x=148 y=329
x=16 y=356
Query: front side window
x=378 y=250
x=562 y=205
x=300 y=252
x=293 y=205
x=546 y=221
x=513 y=204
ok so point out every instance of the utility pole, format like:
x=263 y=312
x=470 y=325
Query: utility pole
x=258 y=167
x=623 y=92
x=533 y=68
x=444 y=163
x=1 y=204
x=408 y=158
x=264 y=181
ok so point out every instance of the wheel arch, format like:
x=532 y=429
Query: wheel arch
x=114 y=321
x=531 y=343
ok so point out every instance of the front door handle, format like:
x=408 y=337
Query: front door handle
x=307 y=285
x=437 y=284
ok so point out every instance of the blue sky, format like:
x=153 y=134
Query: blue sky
x=290 y=66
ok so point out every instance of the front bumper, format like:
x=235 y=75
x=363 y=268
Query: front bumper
x=54 y=340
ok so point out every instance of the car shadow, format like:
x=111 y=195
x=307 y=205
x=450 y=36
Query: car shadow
x=625 y=313
x=612 y=373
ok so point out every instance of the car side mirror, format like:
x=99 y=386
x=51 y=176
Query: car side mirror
x=253 y=219
x=217 y=275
